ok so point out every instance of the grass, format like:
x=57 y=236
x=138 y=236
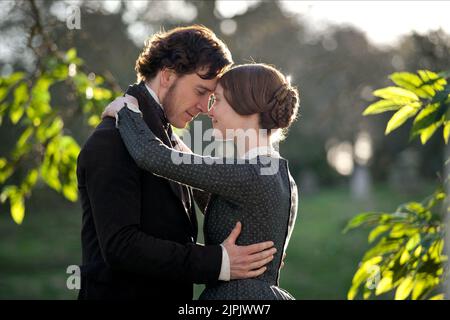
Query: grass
x=320 y=259
x=34 y=256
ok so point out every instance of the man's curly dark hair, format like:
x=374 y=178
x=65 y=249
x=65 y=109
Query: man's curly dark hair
x=184 y=50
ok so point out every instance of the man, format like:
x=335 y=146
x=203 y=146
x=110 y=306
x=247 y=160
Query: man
x=139 y=231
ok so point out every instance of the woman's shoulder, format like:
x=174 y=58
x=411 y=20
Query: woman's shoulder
x=267 y=168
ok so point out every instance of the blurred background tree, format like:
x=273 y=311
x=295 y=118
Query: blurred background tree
x=340 y=160
x=43 y=152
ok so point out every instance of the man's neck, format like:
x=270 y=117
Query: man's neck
x=153 y=86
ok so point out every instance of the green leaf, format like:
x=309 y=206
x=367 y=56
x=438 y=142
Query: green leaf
x=427 y=113
x=102 y=94
x=397 y=95
x=446 y=131
x=432 y=79
x=383 y=247
x=3 y=108
x=30 y=180
x=17 y=208
x=417 y=251
x=352 y=292
x=21 y=93
x=59 y=165
x=406 y=79
x=68 y=145
x=404 y=257
x=6 y=172
x=49 y=167
x=415 y=207
x=428 y=119
x=40 y=102
x=440 y=296
x=360 y=276
x=94 y=120
x=47 y=132
x=7 y=192
x=71 y=54
x=16 y=114
x=384 y=285
x=400 y=117
x=60 y=72
x=20 y=98
x=3 y=163
x=367 y=294
x=70 y=192
x=404 y=289
x=3 y=94
x=361 y=219
x=441 y=96
x=419 y=288
x=51 y=177
x=377 y=231
x=398 y=231
x=411 y=82
x=427 y=133
x=381 y=106
x=12 y=79
x=435 y=250
x=413 y=242
x=24 y=137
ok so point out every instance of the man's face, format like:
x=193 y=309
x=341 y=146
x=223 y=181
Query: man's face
x=186 y=98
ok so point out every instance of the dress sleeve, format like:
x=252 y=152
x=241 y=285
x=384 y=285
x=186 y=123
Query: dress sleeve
x=210 y=174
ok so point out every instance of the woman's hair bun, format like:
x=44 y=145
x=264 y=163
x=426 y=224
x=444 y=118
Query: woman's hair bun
x=284 y=106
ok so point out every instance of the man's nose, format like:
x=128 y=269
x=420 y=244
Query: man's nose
x=202 y=107
x=204 y=104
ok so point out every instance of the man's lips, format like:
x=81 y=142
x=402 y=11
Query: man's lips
x=192 y=116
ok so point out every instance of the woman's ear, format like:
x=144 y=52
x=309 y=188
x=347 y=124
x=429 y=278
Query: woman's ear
x=167 y=78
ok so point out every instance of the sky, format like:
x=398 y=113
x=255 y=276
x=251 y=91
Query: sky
x=382 y=21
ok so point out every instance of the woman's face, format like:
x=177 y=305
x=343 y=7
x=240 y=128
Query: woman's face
x=224 y=117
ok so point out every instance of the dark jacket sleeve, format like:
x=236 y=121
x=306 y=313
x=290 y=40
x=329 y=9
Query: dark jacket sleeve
x=113 y=185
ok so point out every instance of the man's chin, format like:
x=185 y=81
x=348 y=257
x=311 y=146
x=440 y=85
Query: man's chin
x=181 y=121
x=179 y=124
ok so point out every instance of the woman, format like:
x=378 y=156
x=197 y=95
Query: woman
x=258 y=190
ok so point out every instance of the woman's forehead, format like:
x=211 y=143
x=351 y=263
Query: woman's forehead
x=219 y=89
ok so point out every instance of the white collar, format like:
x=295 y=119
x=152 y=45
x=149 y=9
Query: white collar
x=259 y=151
x=153 y=94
